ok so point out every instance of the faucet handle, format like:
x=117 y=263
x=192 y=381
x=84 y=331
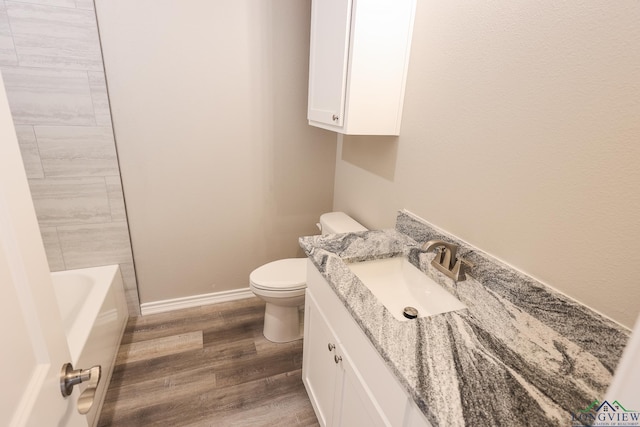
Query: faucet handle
x=468 y=264
x=458 y=272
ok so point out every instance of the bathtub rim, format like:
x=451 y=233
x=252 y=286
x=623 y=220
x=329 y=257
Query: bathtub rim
x=78 y=333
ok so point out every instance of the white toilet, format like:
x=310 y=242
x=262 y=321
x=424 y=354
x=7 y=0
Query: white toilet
x=281 y=284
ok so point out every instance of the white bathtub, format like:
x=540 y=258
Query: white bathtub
x=94 y=314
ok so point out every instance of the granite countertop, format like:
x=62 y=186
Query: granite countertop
x=519 y=354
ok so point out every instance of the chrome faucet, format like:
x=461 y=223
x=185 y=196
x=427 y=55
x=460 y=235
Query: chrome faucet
x=446 y=260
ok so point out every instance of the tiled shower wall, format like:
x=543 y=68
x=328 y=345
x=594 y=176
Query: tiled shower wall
x=53 y=73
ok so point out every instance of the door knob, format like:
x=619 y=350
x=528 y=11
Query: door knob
x=335 y=117
x=70 y=377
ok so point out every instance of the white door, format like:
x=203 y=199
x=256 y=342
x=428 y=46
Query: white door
x=33 y=344
x=624 y=387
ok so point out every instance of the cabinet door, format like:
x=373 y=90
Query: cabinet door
x=357 y=407
x=318 y=365
x=330 y=28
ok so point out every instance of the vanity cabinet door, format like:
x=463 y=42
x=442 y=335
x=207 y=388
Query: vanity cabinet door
x=356 y=405
x=336 y=389
x=319 y=368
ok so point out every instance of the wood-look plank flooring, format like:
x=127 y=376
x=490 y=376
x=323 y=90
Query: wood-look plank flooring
x=206 y=366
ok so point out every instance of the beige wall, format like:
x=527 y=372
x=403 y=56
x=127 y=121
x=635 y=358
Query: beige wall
x=221 y=172
x=520 y=135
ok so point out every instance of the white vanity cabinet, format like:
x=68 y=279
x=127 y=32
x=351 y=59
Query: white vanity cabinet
x=341 y=398
x=347 y=381
x=359 y=55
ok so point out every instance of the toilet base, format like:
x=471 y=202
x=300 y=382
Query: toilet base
x=281 y=323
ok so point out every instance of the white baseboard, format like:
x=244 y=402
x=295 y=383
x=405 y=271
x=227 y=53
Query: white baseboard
x=194 y=301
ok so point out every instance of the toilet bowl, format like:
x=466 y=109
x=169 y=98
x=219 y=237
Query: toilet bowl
x=282 y=283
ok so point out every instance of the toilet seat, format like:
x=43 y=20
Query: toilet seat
x=280 y=276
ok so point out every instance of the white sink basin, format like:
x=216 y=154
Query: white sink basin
x=398 y=284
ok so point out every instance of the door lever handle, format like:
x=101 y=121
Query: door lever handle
x=70 y=377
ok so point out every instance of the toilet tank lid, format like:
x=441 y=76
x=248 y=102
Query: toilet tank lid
x=339 y=222
x=283 y=274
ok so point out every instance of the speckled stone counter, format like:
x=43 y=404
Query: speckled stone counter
x=519 y=354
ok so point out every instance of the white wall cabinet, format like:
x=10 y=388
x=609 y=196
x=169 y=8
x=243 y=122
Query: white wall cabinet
x=359 y=55
x=347 y=381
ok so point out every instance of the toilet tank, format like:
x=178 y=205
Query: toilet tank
x=339 y=222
